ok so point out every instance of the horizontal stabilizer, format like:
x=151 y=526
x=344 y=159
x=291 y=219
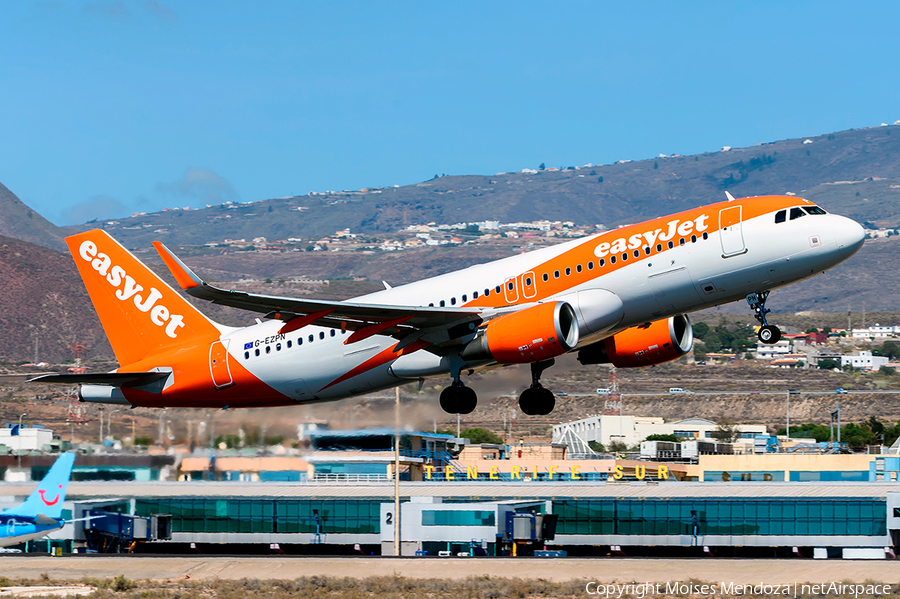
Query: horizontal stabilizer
x=46 y=520
x=112 y=379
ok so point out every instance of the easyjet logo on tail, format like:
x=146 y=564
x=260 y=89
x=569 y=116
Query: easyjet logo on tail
x=128 y=289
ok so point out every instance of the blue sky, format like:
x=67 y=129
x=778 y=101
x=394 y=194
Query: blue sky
x=109 y=107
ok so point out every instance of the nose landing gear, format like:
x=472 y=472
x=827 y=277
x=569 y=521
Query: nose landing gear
x=768 y=333
x=537 y=401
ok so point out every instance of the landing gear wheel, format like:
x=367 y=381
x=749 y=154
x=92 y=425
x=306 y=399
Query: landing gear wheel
x=450 y=400
x=528 y=401
x=769 y=334
x=467 y=400
x=458 y=399
x=537 y=401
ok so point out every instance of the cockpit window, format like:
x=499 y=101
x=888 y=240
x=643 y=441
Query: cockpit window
x=780 y=216
x=814 y=210
x=796 y=213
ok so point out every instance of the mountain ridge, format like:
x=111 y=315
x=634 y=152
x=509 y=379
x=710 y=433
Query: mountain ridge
x=855 y=173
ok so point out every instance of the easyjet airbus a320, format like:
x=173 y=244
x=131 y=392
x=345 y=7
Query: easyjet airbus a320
x=619 y=297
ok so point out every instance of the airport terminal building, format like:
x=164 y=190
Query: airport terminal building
x=591 y=517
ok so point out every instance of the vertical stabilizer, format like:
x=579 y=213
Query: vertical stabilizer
x=140 y=312
x=48 y=498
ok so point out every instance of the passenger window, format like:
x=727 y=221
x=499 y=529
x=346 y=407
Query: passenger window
x=528 y=281
x=637 y=254
x=658 y=247
x=602 y=263
x=693 y=239
x=591 y=265
x=246 y=355
x=277 y=347
x=705 y=235
x=612 y=259
x=671 y=244
x=431 y=305
x=332 y=332
x=487 y=292
x=464 y=297
x=322 y=335
x=474 y=295
x=343 y=331
x=546 y=277
x=256 y=352
x=268 y=349
x=555 y=274
x=681 y=241
x=578 y=268
x=311 y=338
x=796 y=213
x=647 y=250
x=497 y=289
x=568 y=271
x=511 y=285
x=299 y=341
x=289 y=343
x=624 y=256
x=452 y=301
x=443 y=303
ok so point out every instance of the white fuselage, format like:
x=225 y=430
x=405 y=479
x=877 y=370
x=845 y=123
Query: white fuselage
x=750 y=255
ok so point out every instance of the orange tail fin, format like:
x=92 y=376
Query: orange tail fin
x=140 y=313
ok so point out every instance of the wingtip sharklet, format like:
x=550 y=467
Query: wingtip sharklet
x=185 y=277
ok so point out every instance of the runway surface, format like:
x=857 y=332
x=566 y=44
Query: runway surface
x=741 y=571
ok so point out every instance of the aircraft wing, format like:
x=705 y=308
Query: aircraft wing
x=112 y=379
x=336 y=314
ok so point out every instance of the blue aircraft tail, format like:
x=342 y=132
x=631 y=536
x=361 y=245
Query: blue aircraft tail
x=48 y=498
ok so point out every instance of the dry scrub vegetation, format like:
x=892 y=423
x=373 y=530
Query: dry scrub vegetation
x=324 y=587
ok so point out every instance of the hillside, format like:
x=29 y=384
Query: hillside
x=21 y=222
x=855 y=173
x=44 y=307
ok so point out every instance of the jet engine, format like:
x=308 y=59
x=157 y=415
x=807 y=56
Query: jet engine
x=643 y=345
x=534 y=334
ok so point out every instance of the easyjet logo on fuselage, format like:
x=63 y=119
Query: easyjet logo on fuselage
x=127 y=288
x=648 y=238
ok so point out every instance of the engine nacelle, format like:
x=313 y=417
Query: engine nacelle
x=102 y=394
x=643 y=345
x=531 y=335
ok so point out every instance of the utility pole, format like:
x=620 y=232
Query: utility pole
x=397 y=472
x=109 y=423
x=788 y=411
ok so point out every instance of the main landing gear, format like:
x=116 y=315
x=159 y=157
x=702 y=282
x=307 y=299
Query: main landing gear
x=458 y=399
x=537 y=401
x=768 y=333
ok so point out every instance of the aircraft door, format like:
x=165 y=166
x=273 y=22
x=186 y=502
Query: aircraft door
x=529 y=289
x=218 y=364
x=511 y=290
x=731 y=232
